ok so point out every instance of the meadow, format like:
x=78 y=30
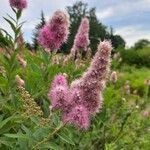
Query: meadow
x=33 y=93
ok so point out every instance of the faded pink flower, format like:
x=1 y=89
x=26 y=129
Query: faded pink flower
x=19 y=81
x=19 y=4
x=147 y=82
x=59 y=80
x=78 y=116
x=82 y=37
x=81 y=41
x=92 y=82
x=55 y=32
x=113 y=77
x=22 y=62
x=145 y=113
x=59 y=97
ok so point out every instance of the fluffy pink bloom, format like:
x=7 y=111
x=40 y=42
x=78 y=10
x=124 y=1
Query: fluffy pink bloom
x=19 y=4
x=59 y=97
x=82 y=37
x=78 y=116
x=84 y=98
x=59 y=92
x=59 y=80
x=91 y=84
x=55 y=32
x=113 y=77
x=145 y=113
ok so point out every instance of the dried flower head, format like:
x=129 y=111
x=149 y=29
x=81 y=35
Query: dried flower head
x=22 y=62
x=19 y=81
x=147 y=82
x=113 y=77
x=19 y=4
x=30 y=107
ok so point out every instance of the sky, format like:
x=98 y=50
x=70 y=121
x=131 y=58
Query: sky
x=129 y=18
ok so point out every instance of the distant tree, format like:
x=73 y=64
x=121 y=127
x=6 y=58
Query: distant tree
x=141 y=44
x=36 y=31
x=97 y=29
x=117 y=40
x=29 y=46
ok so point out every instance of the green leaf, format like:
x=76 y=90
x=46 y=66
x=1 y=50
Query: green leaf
x=11 y=18
x=13 y=10
x=18 y=136
x=66 y=139
x=52 y=146
x=19 y=12
x=11 y=24
x=2 y=123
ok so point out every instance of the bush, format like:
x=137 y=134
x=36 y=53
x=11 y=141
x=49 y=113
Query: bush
x=136 y=57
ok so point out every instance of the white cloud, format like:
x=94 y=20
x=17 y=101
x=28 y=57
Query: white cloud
x=124 y=8
x=132 y=34
x=105 y=13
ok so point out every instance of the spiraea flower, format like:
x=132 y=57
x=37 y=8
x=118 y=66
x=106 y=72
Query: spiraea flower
x=19 y=81
x=19 y=4
x=147 y=82
x=84 y=97
x=82 y=37
x=81 y=41
x=22 y=62
x=145 y=114
x=91 y=83
x=78 y=116
x=127 y=88
x=55 y=32
x=113 y=77
x=59 y=92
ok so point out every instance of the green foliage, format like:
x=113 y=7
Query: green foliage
x=97 y=31
x=120 y=124
x=137 y=58
x=140 y=44
x=37 y=28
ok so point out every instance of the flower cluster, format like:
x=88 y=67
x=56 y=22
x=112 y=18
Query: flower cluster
x=55 y=32
x=82 y=38
x=113 y=77
x=81 y=41
x=30 y=106
x=19 y=4
x=84 y=96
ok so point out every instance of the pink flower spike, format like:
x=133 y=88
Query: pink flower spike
x=59 y=80
x=19 y=4
x=55 y=32
x=59 y=97
x=82 y=37
x=78 y=116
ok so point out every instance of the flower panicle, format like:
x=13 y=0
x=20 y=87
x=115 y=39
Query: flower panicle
x=55 y=32
x=18 y=4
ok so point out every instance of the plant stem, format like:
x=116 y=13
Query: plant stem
x=50 y=135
